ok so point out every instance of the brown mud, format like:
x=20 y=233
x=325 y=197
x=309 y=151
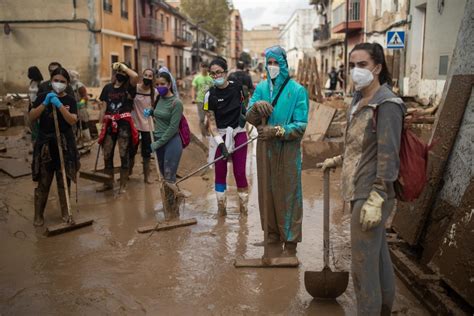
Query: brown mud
x=109 y=268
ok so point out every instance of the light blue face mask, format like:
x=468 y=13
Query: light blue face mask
x=219 y=81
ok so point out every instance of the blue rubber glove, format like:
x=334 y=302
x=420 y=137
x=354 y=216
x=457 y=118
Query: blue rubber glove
x=154 y=146
x=55 y=101
x=49 y=96
x=147 y=112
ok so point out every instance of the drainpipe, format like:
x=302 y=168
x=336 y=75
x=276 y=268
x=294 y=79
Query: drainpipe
x=346 y=66
x=366 y=19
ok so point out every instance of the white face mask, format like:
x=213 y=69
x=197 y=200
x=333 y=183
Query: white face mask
x=361 y=77
x=273 y=71
x=58 y=87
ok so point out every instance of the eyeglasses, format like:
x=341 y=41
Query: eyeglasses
x=216 y=73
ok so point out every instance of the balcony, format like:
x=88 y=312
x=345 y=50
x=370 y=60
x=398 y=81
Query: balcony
x=151 y=29
x=355 y=17
x=182 y=38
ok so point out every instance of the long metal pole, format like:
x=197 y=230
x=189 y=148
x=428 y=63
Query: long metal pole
x=346 y=66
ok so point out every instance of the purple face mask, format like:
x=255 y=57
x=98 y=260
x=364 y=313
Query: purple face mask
x=163 y=90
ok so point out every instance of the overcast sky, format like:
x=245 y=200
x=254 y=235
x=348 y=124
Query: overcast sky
x=274 y=12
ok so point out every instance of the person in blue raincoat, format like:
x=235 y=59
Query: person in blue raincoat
x=285 y=127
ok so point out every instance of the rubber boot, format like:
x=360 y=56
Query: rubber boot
x=243 y=202
x=86 y=136
x=132 y=164
x=123 y=180
x=146 y=171
x=109 y=185
x=40 y=204
x=221 y=203
x=63 y=204
x=290 y=249
x=274 y=249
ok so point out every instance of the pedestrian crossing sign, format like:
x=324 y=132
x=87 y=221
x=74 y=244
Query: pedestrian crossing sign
x=396 y=39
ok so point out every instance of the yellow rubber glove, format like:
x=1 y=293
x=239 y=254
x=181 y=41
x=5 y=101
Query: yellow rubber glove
x=371 y=211
x=332 y=162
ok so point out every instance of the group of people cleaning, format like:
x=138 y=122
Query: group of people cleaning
x=279 y=109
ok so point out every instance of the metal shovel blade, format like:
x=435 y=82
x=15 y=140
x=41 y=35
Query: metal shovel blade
x=326 y=284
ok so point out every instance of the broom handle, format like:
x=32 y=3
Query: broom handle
x=264 y=187
x=61 y=160
x=152 y=125
x=216 y=160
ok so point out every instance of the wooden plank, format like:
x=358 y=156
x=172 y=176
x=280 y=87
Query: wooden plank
x=15 y=168
x=280 y=262
x=319 y=121
x=167 y=225
x=65 y=227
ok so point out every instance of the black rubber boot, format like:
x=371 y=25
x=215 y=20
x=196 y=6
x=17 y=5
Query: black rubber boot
x=40 y=204
x=109 y=185
x=146 y=170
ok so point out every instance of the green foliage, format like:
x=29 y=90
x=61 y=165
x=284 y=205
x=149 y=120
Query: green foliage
x=214 y=13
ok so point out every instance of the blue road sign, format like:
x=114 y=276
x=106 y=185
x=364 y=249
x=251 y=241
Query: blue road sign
x=395 y=39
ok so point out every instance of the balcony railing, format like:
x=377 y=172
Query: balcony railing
x=339 y=17
x=183 y=38
x=151 y=29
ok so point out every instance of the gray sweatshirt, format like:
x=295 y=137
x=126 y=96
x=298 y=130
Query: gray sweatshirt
x=371 y=151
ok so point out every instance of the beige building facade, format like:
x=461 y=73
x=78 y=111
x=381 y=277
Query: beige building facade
x=235 y=38
x=256 y=40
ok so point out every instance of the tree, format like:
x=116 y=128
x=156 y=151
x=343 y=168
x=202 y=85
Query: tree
x=214 y=13
x=246 y=58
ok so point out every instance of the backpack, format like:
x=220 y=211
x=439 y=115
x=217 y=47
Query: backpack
x=412 y=175
x=184 y=131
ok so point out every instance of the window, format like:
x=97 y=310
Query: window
x=107 y=5
x=167 y=23
x=443 y=65
x=127 y=54
x=124 y=8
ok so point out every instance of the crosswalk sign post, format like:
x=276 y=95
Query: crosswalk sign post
x=395 y=39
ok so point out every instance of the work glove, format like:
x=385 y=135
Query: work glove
x=266 y=132
x=47 y=100
x=371 y=211
x=332 y=162
x=154 y=146
x=56 y=102
x=119 y=66
x=147 y=112
x=263 y=108
x=224 y=151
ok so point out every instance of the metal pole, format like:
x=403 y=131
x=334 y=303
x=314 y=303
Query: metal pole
x=346 y=66
x=198 y=54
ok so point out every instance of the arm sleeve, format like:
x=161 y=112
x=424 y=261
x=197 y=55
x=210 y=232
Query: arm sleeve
x=249 y=83
x=103 y=94
x=176 y=113
x=72 y=105
x=39 y=99
x=253 y=117
x=296 y=128
x=389 y=131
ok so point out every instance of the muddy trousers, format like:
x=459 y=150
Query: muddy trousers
x=239 y=161
x=44 y=184
x=372 y=270
x=169 y=156
x=123 y=138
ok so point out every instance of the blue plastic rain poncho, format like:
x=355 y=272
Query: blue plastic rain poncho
x=284 y=194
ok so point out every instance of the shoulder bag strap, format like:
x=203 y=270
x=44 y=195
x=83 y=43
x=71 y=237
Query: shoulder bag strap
x=280 y=91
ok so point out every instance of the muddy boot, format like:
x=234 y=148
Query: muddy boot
x=63 y=204
x=243 y=202
x=274 y=249
x=109 y=185
x=221 y=203
x=123 y=180
x=132 y=164
x=40 y=204
x=146 y=171
x=290 y=249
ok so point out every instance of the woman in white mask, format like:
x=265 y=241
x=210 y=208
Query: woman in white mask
x=225 y=112
x=370 y=166
x=46 y=163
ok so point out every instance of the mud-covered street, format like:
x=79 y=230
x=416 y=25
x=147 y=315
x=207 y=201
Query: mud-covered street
x=111 y=269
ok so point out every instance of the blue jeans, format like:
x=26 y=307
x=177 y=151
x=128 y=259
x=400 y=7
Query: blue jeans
x=169 y=156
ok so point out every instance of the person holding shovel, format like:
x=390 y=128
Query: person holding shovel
x=167 y=115
x=225 y=113
x=46 y=163
x=144 y=99
x=117 y=124
x=279 y=110
x=370 y=166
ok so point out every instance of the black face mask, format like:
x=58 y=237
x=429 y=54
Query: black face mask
x=121 y=77
x=147 y=82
